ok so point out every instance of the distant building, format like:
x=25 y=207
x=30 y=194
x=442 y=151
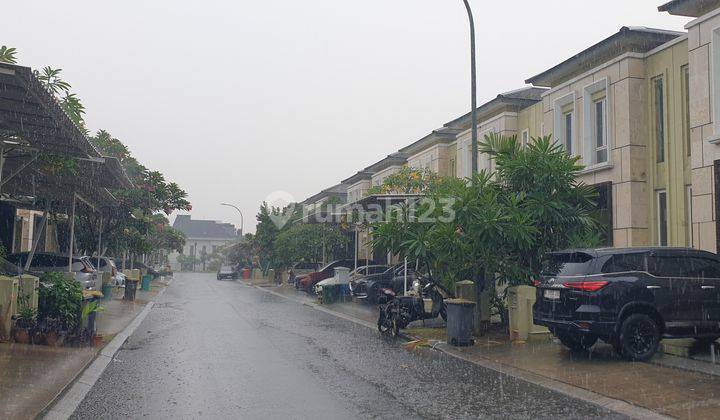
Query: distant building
x=203 y=237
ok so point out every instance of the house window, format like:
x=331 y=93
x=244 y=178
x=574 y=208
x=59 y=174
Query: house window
x=686 y=106
x=452 y=167
x=565 y=121
x=596 y=144
x=567 y=130
x=599 y=130
x=688 y=216
x=662 y=217
x=659 y=117
x=525 y=138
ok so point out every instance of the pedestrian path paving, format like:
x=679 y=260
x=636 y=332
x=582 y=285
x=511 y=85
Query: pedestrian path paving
x=660 y=388
x=34 y=375
x=668 y=386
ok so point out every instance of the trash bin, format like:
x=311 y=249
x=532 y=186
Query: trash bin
x=328 y=294
x=130 y=289
x=460 y=317
x=344 y=294
x=146 y=279
x=107 y=291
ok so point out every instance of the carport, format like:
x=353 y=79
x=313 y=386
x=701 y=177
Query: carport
x=46 y=162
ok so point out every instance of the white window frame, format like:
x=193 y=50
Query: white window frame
x=689 y=216
x=525 y=137
x=715 y=84
x=558 y=106
x=590 y=148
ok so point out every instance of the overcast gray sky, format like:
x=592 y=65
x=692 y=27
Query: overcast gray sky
x=237 y=99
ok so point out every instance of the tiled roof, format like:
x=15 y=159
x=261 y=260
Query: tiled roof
x=690 y=8
x=519 y=98
x=628 y=39
x=204 y=229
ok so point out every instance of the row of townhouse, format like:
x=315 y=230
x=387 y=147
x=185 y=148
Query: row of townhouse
x=640 y=108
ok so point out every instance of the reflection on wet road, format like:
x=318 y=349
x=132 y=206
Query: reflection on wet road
x=212 y=349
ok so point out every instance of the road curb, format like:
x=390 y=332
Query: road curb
x=69 y=398
x=612 y=404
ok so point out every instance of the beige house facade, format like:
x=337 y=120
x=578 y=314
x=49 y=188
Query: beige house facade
x=641 y=111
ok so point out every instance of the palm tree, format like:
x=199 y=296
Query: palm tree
x=7 y=55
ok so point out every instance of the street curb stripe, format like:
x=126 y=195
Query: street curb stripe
x=70 y=398
x=612 y=404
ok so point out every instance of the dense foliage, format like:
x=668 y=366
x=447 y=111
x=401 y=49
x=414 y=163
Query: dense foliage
x=282 y=238
x=406 y=181
x=501 y=224
x=309 y=242
x=60 y=299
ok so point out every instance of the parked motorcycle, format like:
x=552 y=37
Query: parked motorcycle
x=426 y=302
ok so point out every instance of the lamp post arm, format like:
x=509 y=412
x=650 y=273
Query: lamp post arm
x=242 y=218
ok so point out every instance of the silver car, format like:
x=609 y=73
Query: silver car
x=106 y=264
x=83 y=271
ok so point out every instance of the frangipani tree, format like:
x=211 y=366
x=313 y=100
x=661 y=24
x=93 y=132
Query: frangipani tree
x=498 y=224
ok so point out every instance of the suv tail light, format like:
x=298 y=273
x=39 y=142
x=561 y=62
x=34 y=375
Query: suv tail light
x=586 y=286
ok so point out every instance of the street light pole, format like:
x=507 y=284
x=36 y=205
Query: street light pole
x=480 y=275
x=473 y=88
x=242 y=221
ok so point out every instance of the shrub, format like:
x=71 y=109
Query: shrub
x=60 y=299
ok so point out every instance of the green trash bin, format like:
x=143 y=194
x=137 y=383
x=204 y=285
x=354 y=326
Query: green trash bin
x=107 y=291
x=146 y=279
x=329 y=294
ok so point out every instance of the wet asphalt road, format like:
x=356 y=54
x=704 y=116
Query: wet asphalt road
x=211 y=349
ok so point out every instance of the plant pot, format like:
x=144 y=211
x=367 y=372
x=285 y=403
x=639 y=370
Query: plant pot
x=55 y=338
x=97 y=340
x=22 y=335
x=38 y=337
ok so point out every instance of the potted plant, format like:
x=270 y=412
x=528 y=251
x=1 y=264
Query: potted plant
x=25 y=325
x=54 y=333
x=59 y=307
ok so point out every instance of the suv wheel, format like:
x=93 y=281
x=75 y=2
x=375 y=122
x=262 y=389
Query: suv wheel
x=639 y=337
x=577 y=341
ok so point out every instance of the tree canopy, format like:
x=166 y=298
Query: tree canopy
x=501 y=224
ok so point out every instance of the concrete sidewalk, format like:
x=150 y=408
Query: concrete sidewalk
x=34 y=375
x=666 y=386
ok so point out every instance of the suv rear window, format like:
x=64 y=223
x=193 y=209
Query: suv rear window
x=568 y=264
x=621 y=263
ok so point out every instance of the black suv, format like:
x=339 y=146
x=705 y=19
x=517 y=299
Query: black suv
x=629 y=297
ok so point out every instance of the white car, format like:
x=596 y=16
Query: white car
x=342 y=276
x=105 y=264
